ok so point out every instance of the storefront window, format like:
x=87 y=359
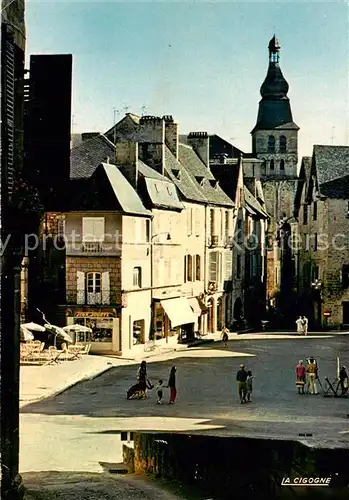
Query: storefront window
x=102 y=330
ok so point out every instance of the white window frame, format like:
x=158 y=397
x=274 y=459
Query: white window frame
x=137 y=277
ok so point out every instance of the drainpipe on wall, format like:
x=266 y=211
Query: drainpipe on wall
x=205 y=263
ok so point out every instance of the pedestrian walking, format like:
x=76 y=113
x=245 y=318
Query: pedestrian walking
x=249 y=385
x=343 y=379
x=225 y=337
x=300 y=374
x=305 y=325
x=142 y=377
x=299 y=323
x=159 y=393
x=241 y=378
x=312 y=372
x=172 y=385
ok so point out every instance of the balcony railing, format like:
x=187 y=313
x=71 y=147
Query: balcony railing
x=84 y=297
x=93 y=248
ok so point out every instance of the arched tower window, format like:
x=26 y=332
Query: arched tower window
x=272 y=166
x=271 y=144
x=282 y=164
x=283 y=144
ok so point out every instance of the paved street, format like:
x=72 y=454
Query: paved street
x=80 y=428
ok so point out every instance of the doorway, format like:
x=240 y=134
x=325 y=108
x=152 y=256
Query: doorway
x=345 y=307
x=220 y=314
x=211 y=316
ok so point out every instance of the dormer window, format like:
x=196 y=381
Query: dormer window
x=177 y=173
x=282 y=164
x=214 y=183
x=272 y=166
x=200 y=180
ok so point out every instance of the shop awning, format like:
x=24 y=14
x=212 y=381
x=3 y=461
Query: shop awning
x=178 y=311
x=194 y=304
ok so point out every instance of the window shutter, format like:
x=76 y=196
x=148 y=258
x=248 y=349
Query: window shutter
x=93 y=228
x=213 y=266
x=197 y=222
x=185 y=268
x=105 y=288
x=80 y=280
x=228 y=268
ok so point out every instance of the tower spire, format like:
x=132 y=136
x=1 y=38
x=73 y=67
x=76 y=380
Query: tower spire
x=274 y=49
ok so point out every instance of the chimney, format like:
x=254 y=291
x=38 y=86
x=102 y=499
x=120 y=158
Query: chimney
x=126 y=156
x=200 y=142
x=151 y=141
x=171 y=135
x=88 y=135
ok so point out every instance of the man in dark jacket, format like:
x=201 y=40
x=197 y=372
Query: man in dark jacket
x=241 y=378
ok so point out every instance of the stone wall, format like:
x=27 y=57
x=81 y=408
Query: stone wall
x=230 y=467
x=95 y=264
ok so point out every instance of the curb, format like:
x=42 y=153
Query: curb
x=69 y=386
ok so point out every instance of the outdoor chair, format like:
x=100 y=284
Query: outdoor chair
x=76 y=350
x=86 y=349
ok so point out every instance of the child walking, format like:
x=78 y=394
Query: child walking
x=249 y=385
x=159 y=392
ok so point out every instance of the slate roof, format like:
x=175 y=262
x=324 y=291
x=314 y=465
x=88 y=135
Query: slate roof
x=85 y=158
x=228 y=176
x=252 y=203
x=331 y=163
x=220 y=146
x=303 y=182
x=185 y=184
x=197 y=169
x=124 y=192
x=149 y=172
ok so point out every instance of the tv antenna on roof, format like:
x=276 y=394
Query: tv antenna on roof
x=125 y=109
x=143 y=110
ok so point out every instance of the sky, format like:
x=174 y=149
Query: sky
x=201 y=62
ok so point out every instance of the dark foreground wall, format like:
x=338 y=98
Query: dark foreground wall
x=228 y=467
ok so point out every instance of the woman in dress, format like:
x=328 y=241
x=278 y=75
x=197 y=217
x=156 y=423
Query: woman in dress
x=172 y=385
x=300 y=374
x=142 y=377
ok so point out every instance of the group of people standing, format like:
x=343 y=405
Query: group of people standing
x=144 y=383
x=302 y=325
x=307 y=375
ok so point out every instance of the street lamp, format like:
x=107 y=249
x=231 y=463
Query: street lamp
x=152 y=305
x=316 y=287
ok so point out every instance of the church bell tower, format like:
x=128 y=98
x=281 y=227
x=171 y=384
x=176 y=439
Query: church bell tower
x=275 y=135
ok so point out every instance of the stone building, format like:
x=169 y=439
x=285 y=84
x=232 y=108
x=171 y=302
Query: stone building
x=322 y=207
x=274 y=141
x=240 y=179
x=207 y=218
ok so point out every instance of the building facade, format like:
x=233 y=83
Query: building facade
x=323 y=250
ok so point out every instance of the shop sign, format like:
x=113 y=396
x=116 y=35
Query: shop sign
x=94 y=314
x=327 y=314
